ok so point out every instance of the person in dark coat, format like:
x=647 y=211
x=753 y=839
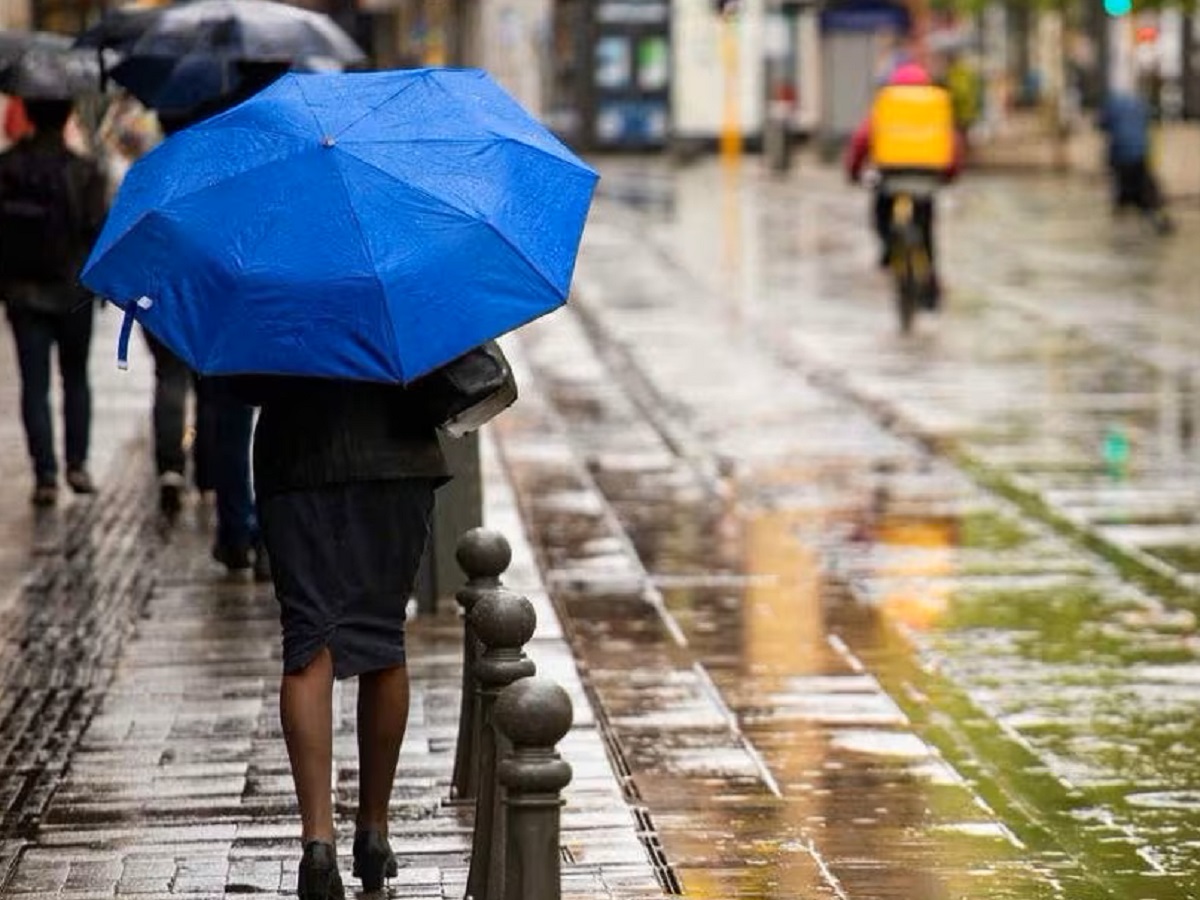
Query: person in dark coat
x=1125 y=119
x=173 y=381
x=52 y=206
x=345 y=475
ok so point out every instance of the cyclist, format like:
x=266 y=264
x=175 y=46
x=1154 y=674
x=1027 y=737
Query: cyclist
x=905 y=136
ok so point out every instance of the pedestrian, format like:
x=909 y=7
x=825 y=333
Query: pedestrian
x=173 y=382
x=127 y=131
x=345 y=474
x=1125 y=119
x=16 y=120
x=52 y=206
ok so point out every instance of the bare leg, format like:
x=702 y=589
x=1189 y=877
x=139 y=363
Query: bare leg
x=306 y=710
x=382 y=719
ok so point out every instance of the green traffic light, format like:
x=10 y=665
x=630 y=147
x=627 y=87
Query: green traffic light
x=1118 y=7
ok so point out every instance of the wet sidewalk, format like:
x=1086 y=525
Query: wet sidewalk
x=873 y=616
x=140 y=751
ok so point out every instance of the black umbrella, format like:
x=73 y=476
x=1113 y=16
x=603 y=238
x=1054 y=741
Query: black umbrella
x=192 y=53
x=182 y=86
x=13 y=44
x=253 y=30
x=119 y=28
x=39 y=65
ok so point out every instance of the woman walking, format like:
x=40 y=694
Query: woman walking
x=345 y=474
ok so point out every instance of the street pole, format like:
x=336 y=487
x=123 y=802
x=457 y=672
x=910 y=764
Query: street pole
x=731 y=124
x=778 y=107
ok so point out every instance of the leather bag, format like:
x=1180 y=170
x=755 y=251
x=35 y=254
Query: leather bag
x=468 y=392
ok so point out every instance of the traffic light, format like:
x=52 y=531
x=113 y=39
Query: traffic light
x=1118 y=8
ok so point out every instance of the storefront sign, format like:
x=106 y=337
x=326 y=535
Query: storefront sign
x=632 y=12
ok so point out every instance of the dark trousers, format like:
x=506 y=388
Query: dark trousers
x=172 y=381
x=1134 y=185
x=922 y=217
x=237 y=524
x=35 y=334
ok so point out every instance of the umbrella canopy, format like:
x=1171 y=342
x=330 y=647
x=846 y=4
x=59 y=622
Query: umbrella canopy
x=178 y=85
x=181 y=56
x=364 y=225
x=14 y=43
x=119 y=28
x=238 y=29
x=40 y=65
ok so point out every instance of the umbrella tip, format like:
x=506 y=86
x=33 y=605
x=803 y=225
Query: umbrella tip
x=328 y=141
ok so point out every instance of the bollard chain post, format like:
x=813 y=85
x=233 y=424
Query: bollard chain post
x=533 y=714
x=503 y=622
x=483 y=555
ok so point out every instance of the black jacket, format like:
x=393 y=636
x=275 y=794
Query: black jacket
x=314 y=433
x=87 y=195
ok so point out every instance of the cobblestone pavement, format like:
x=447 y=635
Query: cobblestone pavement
x=140 y=752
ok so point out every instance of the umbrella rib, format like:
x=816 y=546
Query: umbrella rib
x=482 y=219
x=395 y=346
x=492 y=138
x=378 y=105
x=263 y=164
x=521 y=255
x=211 y=124
x=416 y=188
x=308 y=104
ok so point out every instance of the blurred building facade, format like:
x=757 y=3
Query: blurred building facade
x=679 y=74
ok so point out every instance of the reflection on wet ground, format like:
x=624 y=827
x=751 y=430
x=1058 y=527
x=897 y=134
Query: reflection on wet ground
x=836 y=665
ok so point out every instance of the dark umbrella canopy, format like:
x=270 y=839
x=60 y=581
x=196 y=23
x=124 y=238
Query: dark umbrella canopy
x=119 y=28
x=234 y=29
x=178 y=57
x=170 y=83
x=176 y=85
x=38 y=65
x=14 y=44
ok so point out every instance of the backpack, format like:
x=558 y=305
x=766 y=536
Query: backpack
x=37 y=227
x=912 y=128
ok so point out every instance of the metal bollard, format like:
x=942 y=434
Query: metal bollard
x=483 y=555
x=504 y=622
x=533 y=714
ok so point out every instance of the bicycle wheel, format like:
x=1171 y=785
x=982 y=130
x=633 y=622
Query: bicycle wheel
x=906 y=271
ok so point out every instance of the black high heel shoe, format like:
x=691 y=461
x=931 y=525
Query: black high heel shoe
x=319 y=877
x=373 y=859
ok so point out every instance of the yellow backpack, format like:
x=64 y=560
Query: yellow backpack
x=912 y=128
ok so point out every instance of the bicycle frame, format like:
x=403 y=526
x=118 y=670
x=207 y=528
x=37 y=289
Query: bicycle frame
x=909 y=260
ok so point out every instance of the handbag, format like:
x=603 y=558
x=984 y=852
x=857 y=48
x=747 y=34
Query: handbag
x=469 y=391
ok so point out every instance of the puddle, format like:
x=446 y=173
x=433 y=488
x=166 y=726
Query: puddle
x=1189 y=800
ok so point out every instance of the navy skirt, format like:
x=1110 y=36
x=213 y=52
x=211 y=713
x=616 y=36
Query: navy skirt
x=344 y=559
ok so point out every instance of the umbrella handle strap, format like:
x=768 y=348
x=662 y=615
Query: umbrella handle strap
x=131 y=311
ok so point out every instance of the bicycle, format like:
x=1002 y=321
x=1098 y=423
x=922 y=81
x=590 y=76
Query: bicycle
x=908 y=257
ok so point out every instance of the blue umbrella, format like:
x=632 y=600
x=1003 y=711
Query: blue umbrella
x=363 y=225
